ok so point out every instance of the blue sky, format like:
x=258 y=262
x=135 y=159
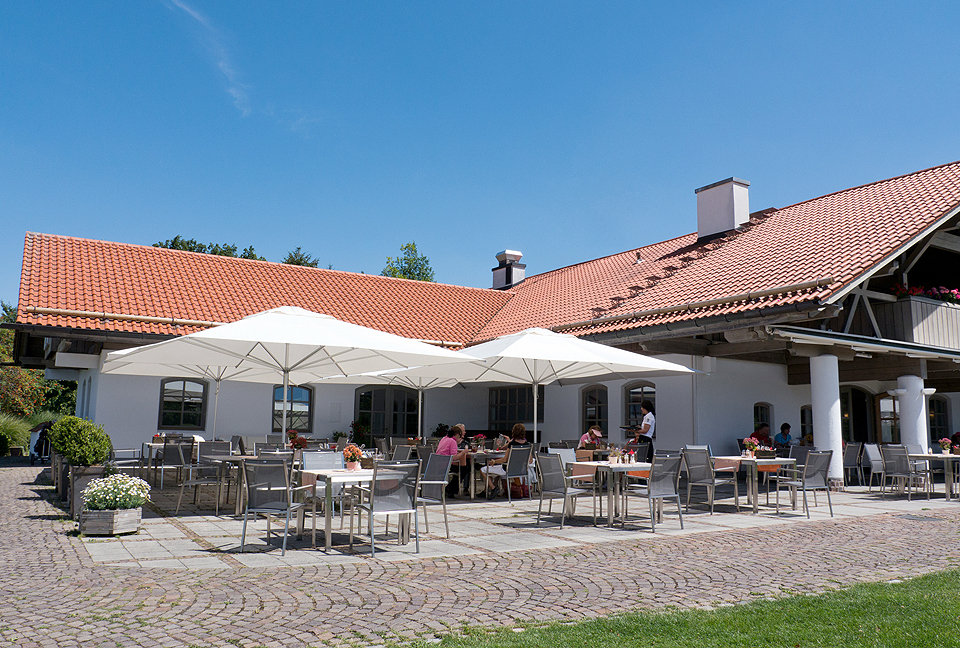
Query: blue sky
x=565 y=130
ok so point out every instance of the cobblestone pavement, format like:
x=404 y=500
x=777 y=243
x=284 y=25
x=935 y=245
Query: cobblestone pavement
x=181 y=582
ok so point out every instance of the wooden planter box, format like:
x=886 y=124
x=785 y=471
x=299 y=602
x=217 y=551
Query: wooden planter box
x=110 y=522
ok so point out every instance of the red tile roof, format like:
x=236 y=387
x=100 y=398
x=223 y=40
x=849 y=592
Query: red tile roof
x=840 y=236
x=61 y=272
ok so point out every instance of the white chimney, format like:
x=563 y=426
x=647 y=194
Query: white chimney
x=510 y=271
x=722 y=206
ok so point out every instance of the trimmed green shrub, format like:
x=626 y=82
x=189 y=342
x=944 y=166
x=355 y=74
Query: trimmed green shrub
x=15 y=431
x=81 y=442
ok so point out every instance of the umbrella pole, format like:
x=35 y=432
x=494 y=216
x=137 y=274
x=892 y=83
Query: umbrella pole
x=420 y=413
x=286 y=384
x=216 y=402
x=534 y=440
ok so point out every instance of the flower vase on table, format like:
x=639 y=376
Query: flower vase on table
x=351 y=455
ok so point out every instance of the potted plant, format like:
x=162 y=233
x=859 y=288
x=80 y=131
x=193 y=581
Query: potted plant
x=945 y=445
x=112 y=505
x=351 y=455
x=751 y=444
x=83 y=446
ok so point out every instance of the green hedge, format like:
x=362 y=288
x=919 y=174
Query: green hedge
x=81 y=442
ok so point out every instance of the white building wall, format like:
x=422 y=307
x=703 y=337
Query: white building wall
x=725 y=400
x=714 y=408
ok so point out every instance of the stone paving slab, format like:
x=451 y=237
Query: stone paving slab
x=181 y=581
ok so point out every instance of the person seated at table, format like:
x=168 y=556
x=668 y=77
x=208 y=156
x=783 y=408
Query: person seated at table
x=450 y=445
x=783 y=440
x=495 y=469
x=594 y=435
x=762 y=435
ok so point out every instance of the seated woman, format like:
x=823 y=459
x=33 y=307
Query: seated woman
x=495 y=470
x=594 y=435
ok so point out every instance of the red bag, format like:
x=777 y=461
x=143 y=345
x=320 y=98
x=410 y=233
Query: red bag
x=519 y=490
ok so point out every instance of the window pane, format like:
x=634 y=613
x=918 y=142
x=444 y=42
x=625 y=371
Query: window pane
x=182 y=404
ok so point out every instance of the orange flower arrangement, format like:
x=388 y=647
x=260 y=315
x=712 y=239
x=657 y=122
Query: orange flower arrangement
x=352 y=453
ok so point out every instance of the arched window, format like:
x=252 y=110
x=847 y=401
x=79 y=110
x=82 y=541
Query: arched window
x=939 y=423
x=594 y=408
x=634 y=394
x=183 y=404
x=299 y=409
x=762 y=414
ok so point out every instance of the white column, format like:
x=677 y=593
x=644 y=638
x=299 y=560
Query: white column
x=913 y=411
x=825 y=393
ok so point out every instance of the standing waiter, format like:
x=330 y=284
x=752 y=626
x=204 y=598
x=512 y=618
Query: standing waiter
x=647 y=431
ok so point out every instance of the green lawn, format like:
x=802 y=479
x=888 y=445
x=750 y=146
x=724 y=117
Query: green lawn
x=920 y=612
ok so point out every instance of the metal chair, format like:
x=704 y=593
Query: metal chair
x=341 y=443
x=204 y=473
x=700 y=473
x=433 y=486
x=392 y=492
x=402 y=453
x=813 y=477
x=555 y=484
x=323 y=460
x=269 y=493
x=897 y=466
x=517 y=467
x=874 y=460
x=176 y=451
x=127 y=458
x=662 y=484
x=851 y=462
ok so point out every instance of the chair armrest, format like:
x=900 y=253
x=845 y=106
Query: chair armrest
x=433 y=483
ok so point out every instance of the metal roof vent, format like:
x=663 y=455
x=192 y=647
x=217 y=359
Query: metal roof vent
x=510 y=272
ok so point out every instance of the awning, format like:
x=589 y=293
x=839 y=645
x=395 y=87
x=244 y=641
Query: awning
x=861 y=343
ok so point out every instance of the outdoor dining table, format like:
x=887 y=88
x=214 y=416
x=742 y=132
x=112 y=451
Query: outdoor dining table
x=615 y=481
x=727 y=462
x=482 y=458
x=949 y=470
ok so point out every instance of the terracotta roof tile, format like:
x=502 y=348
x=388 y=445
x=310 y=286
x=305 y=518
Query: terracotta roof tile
x=68 y=273
x=842 y=235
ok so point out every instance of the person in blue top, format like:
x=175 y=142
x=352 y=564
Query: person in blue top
x=783 y=440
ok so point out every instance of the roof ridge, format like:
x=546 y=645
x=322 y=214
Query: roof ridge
x=869 y=184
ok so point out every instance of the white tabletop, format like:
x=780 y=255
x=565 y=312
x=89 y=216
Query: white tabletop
x=618 y=467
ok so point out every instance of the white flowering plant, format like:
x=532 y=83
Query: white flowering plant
x=115 y=492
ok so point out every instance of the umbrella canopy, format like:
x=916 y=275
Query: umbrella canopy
x=297 y=344
x=537 y=356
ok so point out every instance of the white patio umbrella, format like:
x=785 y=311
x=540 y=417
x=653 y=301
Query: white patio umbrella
x=537 y=357
x=297 y=345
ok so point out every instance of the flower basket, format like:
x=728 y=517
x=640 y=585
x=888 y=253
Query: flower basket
x=956 y=450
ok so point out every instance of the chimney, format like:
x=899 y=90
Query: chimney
x=722 y=206
x=510 y=271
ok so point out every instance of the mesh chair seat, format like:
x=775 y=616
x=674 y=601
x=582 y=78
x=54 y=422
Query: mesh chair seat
x=851 y=461
x=205 y=473
x=700 y=472
x=393 y=491
x=555 y=484
x=270 y=493
x=662 y=484
x=813 y=477
x=433 y=486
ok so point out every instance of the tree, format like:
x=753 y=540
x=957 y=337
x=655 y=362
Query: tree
x=9 y=312
x=191 y=245
x=410 y=265
x=300 y=258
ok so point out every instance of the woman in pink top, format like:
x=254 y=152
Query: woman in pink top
x=450 y=445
